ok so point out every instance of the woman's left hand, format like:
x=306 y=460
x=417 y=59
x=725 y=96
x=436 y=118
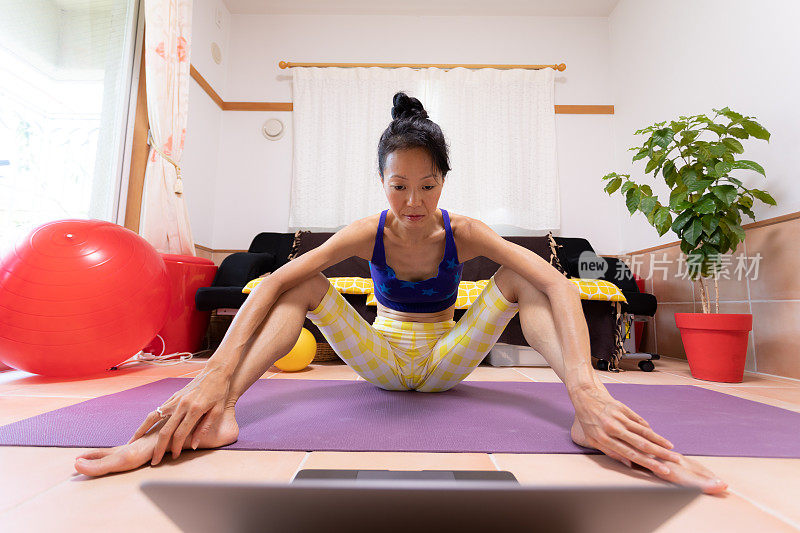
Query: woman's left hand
x=616 y=430
x=610 y=426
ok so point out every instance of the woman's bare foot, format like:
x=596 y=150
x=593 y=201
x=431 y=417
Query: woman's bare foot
x=686 y=472
x=103 y=461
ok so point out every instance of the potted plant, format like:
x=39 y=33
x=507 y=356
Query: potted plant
x=695 y=156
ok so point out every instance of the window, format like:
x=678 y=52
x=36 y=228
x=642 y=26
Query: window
x=65 y=74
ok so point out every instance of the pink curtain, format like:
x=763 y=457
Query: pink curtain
x=165 y=220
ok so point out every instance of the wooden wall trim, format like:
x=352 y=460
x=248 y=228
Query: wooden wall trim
x=752 y=225
x=584 y=109
x=139 y=152
x=288 y=106
x=206 y=86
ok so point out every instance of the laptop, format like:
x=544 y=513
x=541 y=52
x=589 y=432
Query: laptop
x=422 y=501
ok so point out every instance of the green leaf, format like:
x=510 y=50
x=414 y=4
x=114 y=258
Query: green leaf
x=613 y=185
x=681 y=220
x=726 y=193
x=734 y=180
x=668 y=168
x=733 y=230
x=724 y=242
x=717 y=149
x=733 y=115
x=737 y=230
x=703 y=153
x=689 y=135
x=706 y=204
x=718 y=129
x=632 y=199
x=755 y=129
x=733 y=145
x=677 y=126
x=663 y=220
x=748 y=212
x=715 y=238
x=749 y=165
x=700 y=185
x=745 y=201
x=663 y=137
x=625 y=186
x=677 y=197
x=739 y=133
x=647 y=204
x=722 y=168
x=689 y=177
x=693 y=231
x=764 y=196
x=657 y=157
x=640 y=155
x=686 y=247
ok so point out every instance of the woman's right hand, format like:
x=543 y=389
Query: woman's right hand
x=204 y=397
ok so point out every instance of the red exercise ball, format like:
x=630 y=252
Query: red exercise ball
x=78 y=297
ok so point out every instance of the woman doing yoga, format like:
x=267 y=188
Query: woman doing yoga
x=416 y=253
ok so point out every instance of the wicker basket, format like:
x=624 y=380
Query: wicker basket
x=324 y=353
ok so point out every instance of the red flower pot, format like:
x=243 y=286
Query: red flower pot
x=716 y=344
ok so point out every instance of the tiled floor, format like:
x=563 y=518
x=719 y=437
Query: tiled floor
x=40 y=491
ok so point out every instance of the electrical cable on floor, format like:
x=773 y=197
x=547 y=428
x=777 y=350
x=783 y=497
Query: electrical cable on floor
x=160 y=359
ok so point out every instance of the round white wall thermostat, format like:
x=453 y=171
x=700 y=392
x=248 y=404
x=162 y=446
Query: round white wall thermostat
x=273 y=129
x=216 y=53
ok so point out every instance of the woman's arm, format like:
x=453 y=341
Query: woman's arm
x=347 y=242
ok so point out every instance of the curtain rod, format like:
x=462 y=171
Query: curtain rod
x=284 y=64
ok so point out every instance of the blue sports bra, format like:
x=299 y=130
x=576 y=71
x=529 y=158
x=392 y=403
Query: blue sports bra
x=426 y=296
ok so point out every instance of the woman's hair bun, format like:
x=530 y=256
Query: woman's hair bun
x=406 y=107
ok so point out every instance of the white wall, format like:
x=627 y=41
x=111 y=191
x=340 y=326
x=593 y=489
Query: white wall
x=686 y=57
x=204 y=124
x=254 y=175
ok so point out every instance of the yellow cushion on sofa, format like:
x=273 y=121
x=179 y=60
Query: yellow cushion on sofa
x=345 y=285
x=468 y=291
x=598 y=289
x=252 y=284
x=352 y=285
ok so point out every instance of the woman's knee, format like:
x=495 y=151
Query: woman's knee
x=310 y=291
x=516 y=288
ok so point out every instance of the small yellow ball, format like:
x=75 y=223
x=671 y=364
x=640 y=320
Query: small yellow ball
x=301 y=355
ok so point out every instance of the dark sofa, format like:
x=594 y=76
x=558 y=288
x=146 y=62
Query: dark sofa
x=269 y=251
x=600 y=316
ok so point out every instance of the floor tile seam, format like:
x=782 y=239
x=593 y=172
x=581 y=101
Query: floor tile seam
x=766 y=509
x=779 y=300
x=774 y=377
x=722 y=384
x=56 y=396
x=300 y=466
x=494 y=461
x=523 y=374
x=26 y=500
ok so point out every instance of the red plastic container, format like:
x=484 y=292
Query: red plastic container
x=716 y=344
x=186 y=326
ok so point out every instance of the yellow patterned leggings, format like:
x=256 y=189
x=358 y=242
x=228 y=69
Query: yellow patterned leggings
x=422 y=356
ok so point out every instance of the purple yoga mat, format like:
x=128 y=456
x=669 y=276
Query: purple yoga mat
x=492 y=417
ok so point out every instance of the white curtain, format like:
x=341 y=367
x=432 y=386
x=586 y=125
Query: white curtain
x=165 y=220
x=499 y=124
